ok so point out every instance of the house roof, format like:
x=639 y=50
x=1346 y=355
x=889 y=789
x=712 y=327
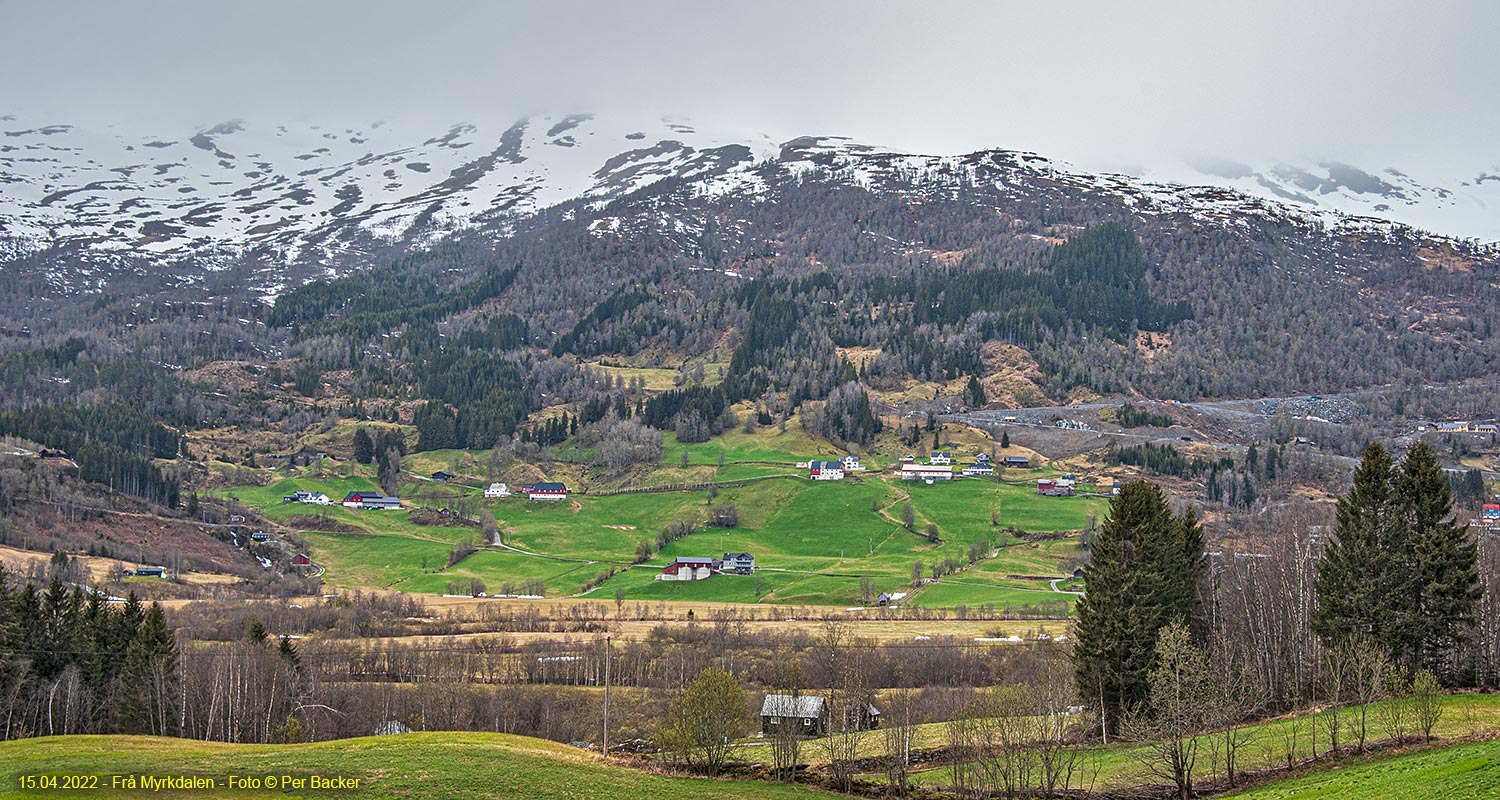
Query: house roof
x=550 y=486
x=826 y=465
x=942 y=453
x=737 y=556
x=805 y=706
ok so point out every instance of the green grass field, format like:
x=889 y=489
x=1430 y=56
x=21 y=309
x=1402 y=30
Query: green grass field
x=1456 y=771
x=1119 y=766
x=817 y=539
x=416 y=766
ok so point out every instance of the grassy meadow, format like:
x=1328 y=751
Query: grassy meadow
x=1456 y=771
x=413 y=766
x=814 y=541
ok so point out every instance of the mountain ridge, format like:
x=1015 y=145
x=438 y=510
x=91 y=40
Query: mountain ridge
x=325 y=196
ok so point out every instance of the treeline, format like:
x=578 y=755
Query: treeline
x=379 y=301
x=71 y=663
x=610 y=308
x=113 y=445
x=1164 y=459
x=1132 y=417
x=487 y=392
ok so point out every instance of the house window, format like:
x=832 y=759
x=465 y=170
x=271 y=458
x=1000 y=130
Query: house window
x=775 y=720
x=806 y=722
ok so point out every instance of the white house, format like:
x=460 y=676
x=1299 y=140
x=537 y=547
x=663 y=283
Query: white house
x=315 y=498
x=941 y=457
x=851 y=464
x=497 y=490
x=978 y=468
x=911 y=471
x=826 y=470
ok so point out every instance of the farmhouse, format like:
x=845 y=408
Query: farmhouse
x=260 y=536
x=442 y=476
x=547 y=490
x=978 y=468
x=851 y=464
x=884 y=599
x=1486 y=427
x=826 y=470
x=1452 y=427
x=151 y=572
x=497 y=490
x=809 y=715
x=689 y=568
x=1017 y=461
x=1057 y=487
x=911 y=471
x=371 y=501
x=940 y=457
x=307 y=456
x=982 y=458
x=315 y=498
x=738 y=563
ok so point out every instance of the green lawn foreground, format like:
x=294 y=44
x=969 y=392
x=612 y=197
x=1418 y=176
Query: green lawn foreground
x=415 y=766
x=1453 y=771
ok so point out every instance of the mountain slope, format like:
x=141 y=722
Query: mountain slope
x=311 y=192
x=295 y=201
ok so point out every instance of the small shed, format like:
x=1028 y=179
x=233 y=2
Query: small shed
x=807 y=714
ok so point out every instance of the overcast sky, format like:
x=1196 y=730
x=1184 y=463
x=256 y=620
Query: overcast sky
x=1101 y=82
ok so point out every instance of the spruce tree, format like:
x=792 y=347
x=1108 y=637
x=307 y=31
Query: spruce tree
x=1145 y=573
x=364 y=447
x=1399 y=569
x=147 y=697
x=1441 y=576
x=1353 y=595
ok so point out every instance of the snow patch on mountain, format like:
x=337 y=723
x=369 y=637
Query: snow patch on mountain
x=194 y=201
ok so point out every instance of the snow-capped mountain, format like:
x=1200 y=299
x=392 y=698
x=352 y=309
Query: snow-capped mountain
x=292 y=187
x=317 y=194
x=1461 y=204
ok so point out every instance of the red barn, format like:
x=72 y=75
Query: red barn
x=301 y=560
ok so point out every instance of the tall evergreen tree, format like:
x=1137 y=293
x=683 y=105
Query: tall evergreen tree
x=974 y=392
x=147 y=696
x=1441 y=587
x=1400 y=568
x=1145 y=572
x=364 y=447
x=1352 y=587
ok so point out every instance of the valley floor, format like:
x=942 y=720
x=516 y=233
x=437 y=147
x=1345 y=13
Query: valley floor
x=415 y=766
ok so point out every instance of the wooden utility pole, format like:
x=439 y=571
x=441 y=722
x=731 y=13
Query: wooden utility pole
x=608 y=651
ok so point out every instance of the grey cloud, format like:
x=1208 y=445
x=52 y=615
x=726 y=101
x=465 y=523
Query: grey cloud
x=1099 y=82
